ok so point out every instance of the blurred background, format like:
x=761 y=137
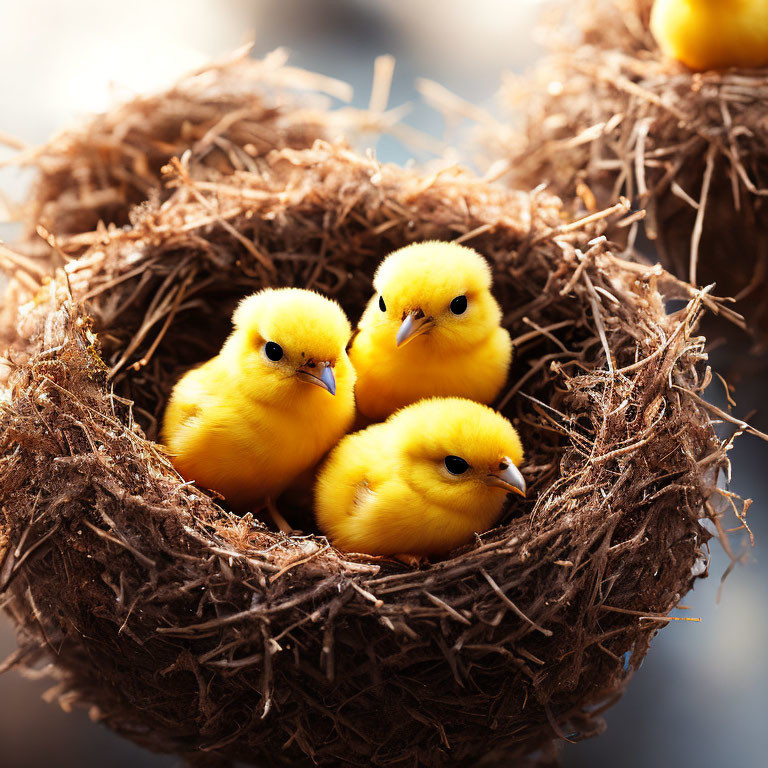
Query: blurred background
x=701 y=697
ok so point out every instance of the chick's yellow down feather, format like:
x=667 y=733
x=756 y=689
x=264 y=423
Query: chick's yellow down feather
x=431 y=329
x=421 y=483
x=713 y=34
x=276 y=398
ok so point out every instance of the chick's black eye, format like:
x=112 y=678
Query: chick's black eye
x=273 y=351
x=459 y=305
x=382 y=305
x=456 y=465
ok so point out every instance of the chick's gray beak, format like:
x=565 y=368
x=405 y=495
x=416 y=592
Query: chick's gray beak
x=414 y=324
x=507 y=477
x=321 y=374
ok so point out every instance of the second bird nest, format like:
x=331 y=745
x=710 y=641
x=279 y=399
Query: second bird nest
x=194 y=631
x=607 y=115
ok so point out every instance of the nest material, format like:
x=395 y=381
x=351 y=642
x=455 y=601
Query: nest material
x=608 y=115
x=190 y=630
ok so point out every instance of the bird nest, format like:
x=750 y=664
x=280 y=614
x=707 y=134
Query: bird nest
x=607 y=115
x=191 y=630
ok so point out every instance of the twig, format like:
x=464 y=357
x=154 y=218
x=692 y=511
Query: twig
x=495 y=587
x=698 y=226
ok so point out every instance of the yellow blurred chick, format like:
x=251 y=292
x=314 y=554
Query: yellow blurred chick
x=277 y=396
x=422 y=483
x=431 y=329
x=713 y=34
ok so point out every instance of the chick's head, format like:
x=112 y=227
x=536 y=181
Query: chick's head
x=434 y=293
x=459 y=454
x=287 y=338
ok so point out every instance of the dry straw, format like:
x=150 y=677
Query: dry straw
x=606 y=114
x=226 y=116
x=190 y=630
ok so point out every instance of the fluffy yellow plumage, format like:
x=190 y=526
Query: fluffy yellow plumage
x=271 y=403
x=713 y=34
x=432 y=329
x=421 y=483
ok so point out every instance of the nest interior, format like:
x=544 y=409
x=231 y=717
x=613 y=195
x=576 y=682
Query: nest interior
x=605 y=114
x=193 y=631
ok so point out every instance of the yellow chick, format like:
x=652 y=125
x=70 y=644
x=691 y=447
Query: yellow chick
x=276 y=398
x=713 y=34
x=422 y=483
x=431 y=329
